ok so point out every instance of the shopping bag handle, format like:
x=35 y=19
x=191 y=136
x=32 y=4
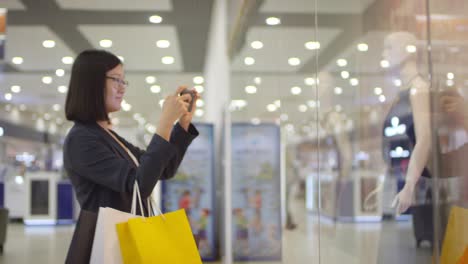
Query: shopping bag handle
x=150 y=201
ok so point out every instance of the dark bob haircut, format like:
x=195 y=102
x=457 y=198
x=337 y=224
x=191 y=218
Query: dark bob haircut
x=86 y=91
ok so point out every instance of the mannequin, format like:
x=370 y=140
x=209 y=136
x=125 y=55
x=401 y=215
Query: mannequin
x=415 y=97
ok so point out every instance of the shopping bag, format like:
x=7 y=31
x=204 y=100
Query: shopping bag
x=456 y=236
x=81 y=244
x=106 y=248
x=159 y=239
x=464 y=258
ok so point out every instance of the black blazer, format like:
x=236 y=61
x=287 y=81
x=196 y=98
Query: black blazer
x=102 y=173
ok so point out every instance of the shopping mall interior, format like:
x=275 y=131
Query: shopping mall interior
x=329 y=131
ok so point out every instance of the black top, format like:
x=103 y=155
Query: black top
x=402 y=110
x=102 y=172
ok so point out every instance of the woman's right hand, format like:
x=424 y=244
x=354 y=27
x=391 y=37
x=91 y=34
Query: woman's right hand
x=174 y=107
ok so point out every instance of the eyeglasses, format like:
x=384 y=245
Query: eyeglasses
x=124 y=83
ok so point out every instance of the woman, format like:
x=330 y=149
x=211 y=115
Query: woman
x=103 y=166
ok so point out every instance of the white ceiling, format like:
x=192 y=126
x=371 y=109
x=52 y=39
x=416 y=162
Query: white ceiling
x=137 y=44
x=308 y=6
x=140 y=5
x=12 y=4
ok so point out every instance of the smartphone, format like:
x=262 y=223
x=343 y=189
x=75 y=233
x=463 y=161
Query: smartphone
x=192 y=93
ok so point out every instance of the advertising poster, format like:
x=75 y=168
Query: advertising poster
x=2 y=33
x=193 y=189
x=256 y=193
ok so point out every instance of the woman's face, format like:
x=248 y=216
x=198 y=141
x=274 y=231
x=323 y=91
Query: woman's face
x=115 y=88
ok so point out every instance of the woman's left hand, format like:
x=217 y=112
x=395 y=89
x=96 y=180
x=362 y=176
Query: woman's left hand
x=186 y=119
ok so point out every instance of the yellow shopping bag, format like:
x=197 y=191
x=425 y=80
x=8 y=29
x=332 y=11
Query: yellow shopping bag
x=456 y=236
x=158 y=239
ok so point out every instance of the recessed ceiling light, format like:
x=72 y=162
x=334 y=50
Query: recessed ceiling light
x=256 y=44
x=150 y=79
x=17 y=60
x=155 y=89
x=155 y=19
x=200 y=103
x=382 y=98
x=273 y=21
x=338 y=90
x=411 y=49
x=258 y=80
x=272 y=108
x=198 y=80
x=312 y=45
x=56 y=107
x=250 y=89
x=48 y=44
x=450 y=76
x=163 y=44
x=168 y=60
x=239 y=103
x=15 y=88
x=105 y=43
x=67 y=60
x=199 y=88
x=126 y=106
x=249 y=61
x=136 y=116
x=310 y=81
x=294 y=61
x=397 y=82
x=47 y=79
x=296 y=90
x=312 y=104
x=8 y=96
x=378 y=90
x=302 y=108
x=450 y=83
x=384 y=64
x=277 y=103
x=60 y=72
x=344 y=74
x=342 y=62
x=363 y=47
x=199 y=112
x=255 y=120
x=354 y=81
x=62 y=89
x=122 y=59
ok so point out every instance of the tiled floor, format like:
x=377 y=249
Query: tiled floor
x=389 y=242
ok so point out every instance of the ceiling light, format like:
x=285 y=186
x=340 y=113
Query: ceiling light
x=238 y=103
x=198 y=80
x=250 y=89
x=256 y=44
x=105 y=43
x=47 y=79
x=255 y=121
x=62 y=89
x=155 y=89
x=271 y=108
x=312 y=45
x=338 y=90
x=273 y=21
x=150 y=79
x=258 y=80
x=312 y=104
x=342 y=62
x=48 y=44
x=362 y=47
x=397 y=82
x=382 y=98
x=296 y=90
x=199 y=112
x=450 y=76
x=277 y=103
x=200 y=103
x=161 y=103
x=56 y=107
x=122 y=59
x=450 y=83
x=16 y=89
x=344 y=74
x=136 y=116
x=294 y=61
x=411 y=49
x=309 y=81
x=384 y=64
x=67 y=60
x=249 y=61
x=168 y=60
x=8 y=96
x=163 y=44
x=284 y=117
x=378 y=90
x=155 y=19
x=150 y=128
x=17 y=60
x=199 y=88
x=125 y=106
x=60 y=72
x=302 y=108
x=354 y=81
